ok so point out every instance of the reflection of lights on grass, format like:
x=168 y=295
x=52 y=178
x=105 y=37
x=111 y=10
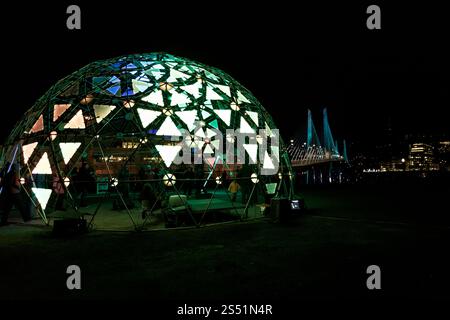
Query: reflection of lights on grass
x=169 y=180
x=254 y=178
x=114 y=182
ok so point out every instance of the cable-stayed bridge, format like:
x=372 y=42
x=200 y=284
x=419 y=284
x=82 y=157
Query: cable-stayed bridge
x=312 y=151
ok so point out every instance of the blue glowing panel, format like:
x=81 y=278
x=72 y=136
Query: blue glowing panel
x=128 y=92
x=114 y=89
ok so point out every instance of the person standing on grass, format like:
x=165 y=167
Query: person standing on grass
x=233 y=188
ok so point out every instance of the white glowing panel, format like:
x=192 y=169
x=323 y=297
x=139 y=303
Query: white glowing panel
x=155 y=97
x=59 y=109
x=210 y=133
x=225 y=115
x=101 y=111
x=254 y=116
x=168 y=153
x=39 y=125
x=168 y=128
x=268 y=164
x=179 y=98
x=147 y=116
x=188 y=117
x=211 y=94
x=77 y=122
x=276 y=152
x=193 y=89
x=245 y=127
x=216 y=144
x=252 y=150
x=224 y=89
x=140 y=86
x=269 y=132
x=205 y=114
x=200 y=133
x=27 y=151
x=241 y=97
x=175 y=74
x=42 y=195
x=208 y=149
x=68 y=149
x=43 y=166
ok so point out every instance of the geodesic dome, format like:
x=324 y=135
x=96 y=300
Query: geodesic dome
x=129 y=119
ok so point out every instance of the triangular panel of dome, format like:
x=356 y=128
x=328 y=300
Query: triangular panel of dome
x=210 y=133
x=224 y=89
x=168 y=153
x=101 y=111
x=208 y=104
x=38 y=125
x=245 y=127
x=147 y=116
x=175 y=75
x=208 y=74
x=43 y=166
x=211 y=94
x=214 y=124
x=155 y=97
x=205 y=114
x=42 y=195
x=128 y=92
x=200 y=133
x=27 y=151
x=208 y=150
x=269 y=132
x=129 y=66
x=188 y=117
x=179 y=98
x=216 y=144
x=193 y=89
x=68 y=149
x=275 y=152
x=115 y=90
x=225 y=115
x=59 y=109
x=168 y=128
x=140 y=86
x=185 y=69
x=77 y=122
x=157 y=71
x=252 y=150
x=268 y=164
x=241 y=98
x=254 y=116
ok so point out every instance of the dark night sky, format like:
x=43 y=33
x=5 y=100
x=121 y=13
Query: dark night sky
x=291 y=57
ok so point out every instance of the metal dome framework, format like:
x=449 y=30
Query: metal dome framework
x=122 y=113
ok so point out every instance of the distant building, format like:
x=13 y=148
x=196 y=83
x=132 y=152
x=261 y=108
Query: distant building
x=421 y=157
